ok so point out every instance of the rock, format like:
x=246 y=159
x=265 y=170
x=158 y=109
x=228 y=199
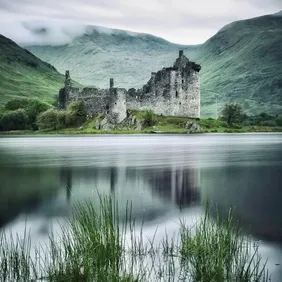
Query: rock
x=193 y=127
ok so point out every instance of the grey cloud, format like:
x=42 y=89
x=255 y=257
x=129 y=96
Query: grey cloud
x=57 y=22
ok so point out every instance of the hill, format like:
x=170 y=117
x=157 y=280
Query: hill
x=242 y=63
x=99 y=54
x=24 y=75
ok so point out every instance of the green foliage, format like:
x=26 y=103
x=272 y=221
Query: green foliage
x=33 y=107
x=232 y=113
x=76 y=114
x=1 y=115
x=17 y=103
x=14 y=120
x=51 y=119
x=268 y=123
x=149 y=118
x=278 y=121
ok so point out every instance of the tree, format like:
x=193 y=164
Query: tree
x=232 y=113
x=14 y=120
x=32 y=106
x=48 y=120
x=76 y=113
x=149 y=118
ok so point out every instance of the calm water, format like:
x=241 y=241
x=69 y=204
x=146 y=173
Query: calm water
x=165 y=177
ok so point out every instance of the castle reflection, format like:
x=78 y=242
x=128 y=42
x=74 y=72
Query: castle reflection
x=177 y=185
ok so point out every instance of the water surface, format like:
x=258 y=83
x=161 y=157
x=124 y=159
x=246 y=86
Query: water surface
x=164 y=176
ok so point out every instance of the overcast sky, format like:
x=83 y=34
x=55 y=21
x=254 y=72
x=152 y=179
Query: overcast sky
x=182 y=21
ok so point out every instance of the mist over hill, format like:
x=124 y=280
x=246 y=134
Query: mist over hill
x=241 y=63
x=99 y=54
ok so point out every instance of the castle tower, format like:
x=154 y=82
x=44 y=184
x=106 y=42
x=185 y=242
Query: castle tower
x=117 y=105
x=111 y=83
x=64 y=92
x=67 y=79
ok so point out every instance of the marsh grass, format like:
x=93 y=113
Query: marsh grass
x=216 y=251
x=95 y=245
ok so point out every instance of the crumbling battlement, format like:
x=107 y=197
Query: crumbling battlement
x=172 y=91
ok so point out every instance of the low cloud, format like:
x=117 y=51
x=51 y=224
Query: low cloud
x=57 y=22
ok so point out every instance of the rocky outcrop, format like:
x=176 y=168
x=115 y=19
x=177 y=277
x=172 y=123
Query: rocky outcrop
x=192 y=127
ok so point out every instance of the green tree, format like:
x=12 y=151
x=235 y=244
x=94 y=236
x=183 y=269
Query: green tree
x=76 y=113
x=14 y=120
x=32 y=106
x=232 y=113
x=51 y=119
x=48 y=119
x=33 y=109
x=149 y=118
x=15 y=104
x=278 y=121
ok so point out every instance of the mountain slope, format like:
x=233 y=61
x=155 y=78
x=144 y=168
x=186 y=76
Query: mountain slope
x=98 y=55
x=22 y=74
x=242 y=63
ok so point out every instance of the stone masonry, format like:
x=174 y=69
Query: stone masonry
x=172 y=91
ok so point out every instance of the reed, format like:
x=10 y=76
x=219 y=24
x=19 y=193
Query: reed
x=95 y=246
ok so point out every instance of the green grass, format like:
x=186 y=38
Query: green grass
x=24 y=75
x=96 y=246
x=162 y=125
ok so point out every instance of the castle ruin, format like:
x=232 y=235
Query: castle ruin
x=172 y=91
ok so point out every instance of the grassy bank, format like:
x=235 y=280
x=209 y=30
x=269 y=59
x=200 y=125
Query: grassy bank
x=161 y=124
x=96 y=246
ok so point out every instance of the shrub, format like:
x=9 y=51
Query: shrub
x=278 y=121
x=14 y=120
x=48 y=120
x=1 y=115
x=76 y=114
x=149 y=118
x=33 y=107
x=17 y=103
x=61 y=119
x=268 y=123
x=232 y=113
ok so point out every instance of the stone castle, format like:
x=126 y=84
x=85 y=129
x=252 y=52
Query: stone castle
x=172 y=91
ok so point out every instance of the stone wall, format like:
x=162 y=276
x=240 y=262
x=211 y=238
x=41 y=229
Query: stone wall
x=172 y=91
x=96 y=100
x=117 y=105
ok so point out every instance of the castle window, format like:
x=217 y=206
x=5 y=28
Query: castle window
x=179 y=103
x=182 y=74
x=176 y=94
x=182 y=81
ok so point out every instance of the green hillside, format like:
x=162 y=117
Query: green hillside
x=242 y=63
x=24 y=75
x=98 y=55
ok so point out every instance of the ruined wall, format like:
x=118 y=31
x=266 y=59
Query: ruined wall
x=111 y=102
x=96 y=101
x=173 y=91
x=117 y=105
